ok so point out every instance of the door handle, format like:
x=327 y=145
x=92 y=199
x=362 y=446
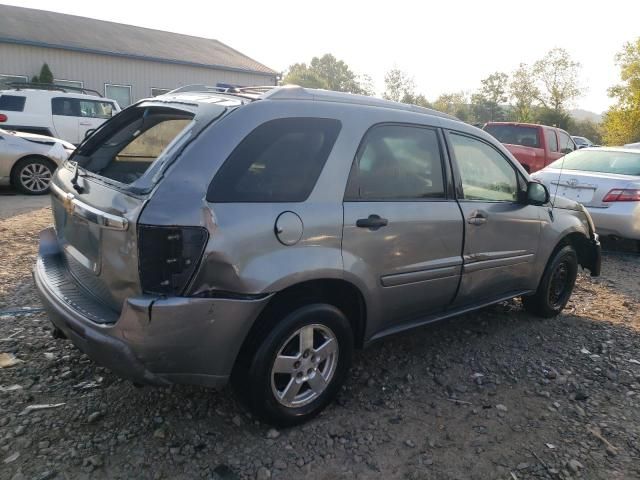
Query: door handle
x=373 y=222
x=477 y=218
x=86 y=124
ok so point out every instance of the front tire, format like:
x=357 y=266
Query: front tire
x=32 y=175
x=556 y=285
x=299 y=367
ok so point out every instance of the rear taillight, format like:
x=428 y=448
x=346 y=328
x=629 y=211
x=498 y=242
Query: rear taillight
x=3 y=118
x=168 y=257
x=622 y=195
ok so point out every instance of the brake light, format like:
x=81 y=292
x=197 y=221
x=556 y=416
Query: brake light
x=3 y=118
x=622 y=195
x=168 y=257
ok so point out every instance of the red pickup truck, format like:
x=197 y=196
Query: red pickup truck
x=535 y=146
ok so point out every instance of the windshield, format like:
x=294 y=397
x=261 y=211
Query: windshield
x=602 y=161
x=515 y=134
x=125 y=152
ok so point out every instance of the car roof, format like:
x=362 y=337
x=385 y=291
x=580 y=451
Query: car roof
x=201 y=93
x=610 y=149
x=49 y=93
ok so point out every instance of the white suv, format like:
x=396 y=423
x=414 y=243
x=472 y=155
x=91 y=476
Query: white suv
x=54 y=111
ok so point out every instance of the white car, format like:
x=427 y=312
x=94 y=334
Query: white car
x=632 y=145
x=53 y=111
x=606 y=180
x=28 y=160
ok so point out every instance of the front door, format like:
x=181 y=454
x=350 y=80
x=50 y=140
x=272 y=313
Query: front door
x=501 y=232
x=402 y=230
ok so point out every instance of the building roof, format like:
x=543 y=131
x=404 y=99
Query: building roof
x=26 y=26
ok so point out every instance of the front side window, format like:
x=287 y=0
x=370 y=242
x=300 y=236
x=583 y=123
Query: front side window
x=397 y=162
x=486 y=175
x=95 y=109
x=12 y=103
x=552 y=140
x=279 y=161
x=119 y=93
x=566 y=144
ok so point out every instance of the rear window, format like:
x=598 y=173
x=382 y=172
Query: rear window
x=515 y=134
x=126 y=152
x=603 y=161
x=279 y=161
x=12 y=103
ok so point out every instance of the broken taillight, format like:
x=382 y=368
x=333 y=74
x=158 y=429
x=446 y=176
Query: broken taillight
x=168 y=257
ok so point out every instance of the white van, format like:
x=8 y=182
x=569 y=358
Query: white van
x=54 y=111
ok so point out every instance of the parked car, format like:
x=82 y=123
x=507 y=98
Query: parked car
x=606 y=180
x=534 y=146
x=263 y=235
x=53 y=111
x=583 y=142
x=27 y=161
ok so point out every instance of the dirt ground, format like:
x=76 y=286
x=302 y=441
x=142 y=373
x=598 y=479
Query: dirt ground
x=497 y=394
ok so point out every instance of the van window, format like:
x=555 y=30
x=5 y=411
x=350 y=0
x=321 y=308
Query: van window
x=279 y=161
x=397 y=162
x=125 y=151
x=12 y=103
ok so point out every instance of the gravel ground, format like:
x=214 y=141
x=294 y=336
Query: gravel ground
x=493 y=394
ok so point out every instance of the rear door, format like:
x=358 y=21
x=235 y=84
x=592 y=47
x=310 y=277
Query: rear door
x=553 y=145
x=402 y=228
x=501 y=234
x=66 y=118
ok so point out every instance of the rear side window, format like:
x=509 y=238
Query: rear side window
x=552 y=140
x=67 y=107
x=279 y=161
x=515 y=134
x=397 y=162
x=12 y=103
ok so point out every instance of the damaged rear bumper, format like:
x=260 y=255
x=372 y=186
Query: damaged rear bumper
x=153 y=340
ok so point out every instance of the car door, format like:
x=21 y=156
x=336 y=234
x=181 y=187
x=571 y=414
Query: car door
x=553 y=150
x=501 y=233
x=66 y=118
x=402 y=228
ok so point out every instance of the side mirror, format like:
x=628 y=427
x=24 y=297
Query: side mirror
x=537 y=194
x=89 y=132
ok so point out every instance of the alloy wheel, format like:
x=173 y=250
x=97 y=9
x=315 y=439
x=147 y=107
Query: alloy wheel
x=35 y=177
x=304 y=366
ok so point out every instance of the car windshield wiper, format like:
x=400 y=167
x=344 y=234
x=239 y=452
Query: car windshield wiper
x=74 y=179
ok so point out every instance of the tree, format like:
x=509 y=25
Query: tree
x=398 y=85
x=523 y=93
x=557 y=74
x=492 y=94
x=45 y=77
x=454 y=104
x=325 y=72
x=622 y=121
x=586 y=128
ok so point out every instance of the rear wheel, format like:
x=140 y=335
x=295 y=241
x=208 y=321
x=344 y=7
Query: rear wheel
x=299 y=367
x=556 y=285
x=32 y=175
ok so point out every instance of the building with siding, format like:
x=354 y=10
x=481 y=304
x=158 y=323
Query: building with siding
x=122 y=62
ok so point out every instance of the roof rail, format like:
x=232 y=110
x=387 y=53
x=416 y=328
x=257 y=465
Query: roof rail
x=295 y=92
x=51 y=87
x=198 y=88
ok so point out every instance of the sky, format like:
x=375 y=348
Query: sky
x=446 y=46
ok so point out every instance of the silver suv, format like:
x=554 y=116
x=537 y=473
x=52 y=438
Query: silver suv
x=262 y=235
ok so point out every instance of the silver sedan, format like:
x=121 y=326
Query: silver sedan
x=27 y=160
x=606 y=180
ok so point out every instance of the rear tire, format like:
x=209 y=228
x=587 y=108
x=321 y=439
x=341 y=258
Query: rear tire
x=300 y=365
x=556 y=285
x=32 y=175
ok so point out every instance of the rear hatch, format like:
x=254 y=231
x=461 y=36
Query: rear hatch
x=98 y=195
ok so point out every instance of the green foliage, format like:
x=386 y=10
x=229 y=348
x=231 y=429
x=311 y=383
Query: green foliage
x=553 y=118
x=455 y=104
x=326 y=72
x=586 y=128
x=398 y=86
x=45 y=76
x=493 y=92
x=35 y=79
x=523 y=92
x=557 y=74
x=622 y=121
